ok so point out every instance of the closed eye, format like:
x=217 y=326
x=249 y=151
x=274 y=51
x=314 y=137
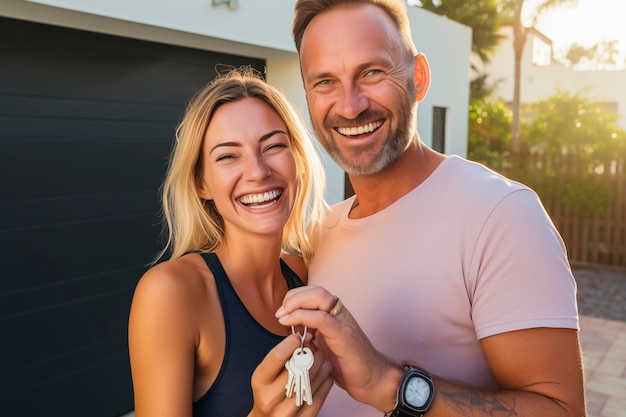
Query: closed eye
x=276 y=146
x=224 y=157
x=275 y=140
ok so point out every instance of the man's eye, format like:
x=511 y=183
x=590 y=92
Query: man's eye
x=323 y=83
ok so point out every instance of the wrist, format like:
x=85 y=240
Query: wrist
x=415 y=393
x=389 y=390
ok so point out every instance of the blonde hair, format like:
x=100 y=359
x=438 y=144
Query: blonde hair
x=194 y=225
x=306 y=10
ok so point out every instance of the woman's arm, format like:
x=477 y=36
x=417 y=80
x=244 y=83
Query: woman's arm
x=162 y=345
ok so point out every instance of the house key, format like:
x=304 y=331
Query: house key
x=303 y=360
x=298 y=380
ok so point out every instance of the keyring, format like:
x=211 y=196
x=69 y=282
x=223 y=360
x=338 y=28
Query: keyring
x=293 y=330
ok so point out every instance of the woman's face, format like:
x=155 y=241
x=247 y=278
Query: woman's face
x=248 y=168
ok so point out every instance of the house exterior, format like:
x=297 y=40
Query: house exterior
x=541 y=77
x=90 y=94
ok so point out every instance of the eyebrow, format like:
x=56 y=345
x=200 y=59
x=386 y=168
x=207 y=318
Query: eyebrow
x=261 y=140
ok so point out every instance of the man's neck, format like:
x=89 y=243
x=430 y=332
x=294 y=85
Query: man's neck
x=379 y=191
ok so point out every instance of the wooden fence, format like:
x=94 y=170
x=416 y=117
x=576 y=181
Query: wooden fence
x=592 y=238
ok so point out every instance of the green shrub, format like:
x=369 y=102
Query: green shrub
x=568 y=145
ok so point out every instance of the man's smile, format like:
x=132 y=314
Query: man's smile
x=359 y=130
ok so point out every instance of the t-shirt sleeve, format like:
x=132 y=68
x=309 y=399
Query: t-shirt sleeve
x=520 y=269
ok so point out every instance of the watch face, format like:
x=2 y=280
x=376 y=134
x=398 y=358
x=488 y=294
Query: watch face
x=416 y=392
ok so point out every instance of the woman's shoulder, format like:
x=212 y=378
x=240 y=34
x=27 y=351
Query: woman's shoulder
x=168 y=306
x=182 y=279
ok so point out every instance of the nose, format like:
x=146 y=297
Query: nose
x=351 y=102
x=256 y=168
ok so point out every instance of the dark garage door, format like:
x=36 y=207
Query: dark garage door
x=86 y=124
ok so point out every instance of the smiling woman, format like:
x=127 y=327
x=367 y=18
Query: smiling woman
x=244 y=183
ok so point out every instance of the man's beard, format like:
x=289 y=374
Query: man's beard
x=394 y=146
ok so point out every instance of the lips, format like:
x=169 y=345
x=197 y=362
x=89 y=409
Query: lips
x=261 y=199
x=359 y=130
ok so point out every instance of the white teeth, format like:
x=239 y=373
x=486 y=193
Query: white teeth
x=359 y=130
x=260 y=198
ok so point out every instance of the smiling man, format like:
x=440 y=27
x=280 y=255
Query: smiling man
x=459 y=299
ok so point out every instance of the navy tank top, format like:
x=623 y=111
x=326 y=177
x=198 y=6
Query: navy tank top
x=247 y=343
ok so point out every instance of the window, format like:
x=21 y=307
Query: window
x=439 y=129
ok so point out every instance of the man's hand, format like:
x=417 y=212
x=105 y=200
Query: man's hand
x=360 y=369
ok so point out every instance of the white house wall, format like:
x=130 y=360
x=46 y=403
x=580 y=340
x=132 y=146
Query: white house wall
x=447 y=45
x=262 y=29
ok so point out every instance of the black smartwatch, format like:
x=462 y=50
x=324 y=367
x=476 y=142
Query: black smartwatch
x=415 y=394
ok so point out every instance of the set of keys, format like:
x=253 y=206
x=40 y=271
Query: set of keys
x=298 y=381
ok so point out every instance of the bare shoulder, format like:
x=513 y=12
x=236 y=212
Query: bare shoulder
x=177 y=282
x=176 y=274
x=296 y=263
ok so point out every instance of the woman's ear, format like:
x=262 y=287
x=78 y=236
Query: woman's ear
x=203 y=191
x=421 y=76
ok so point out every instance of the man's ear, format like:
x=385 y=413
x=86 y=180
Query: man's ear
x=421 y=76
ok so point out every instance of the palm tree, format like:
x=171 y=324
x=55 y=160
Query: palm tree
x=513 y=9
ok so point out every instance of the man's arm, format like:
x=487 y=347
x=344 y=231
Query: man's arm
x=539 y=371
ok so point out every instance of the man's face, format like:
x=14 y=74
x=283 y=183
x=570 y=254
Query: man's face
x=359 y=87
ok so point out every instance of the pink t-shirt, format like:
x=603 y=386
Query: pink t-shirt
x=465 y=255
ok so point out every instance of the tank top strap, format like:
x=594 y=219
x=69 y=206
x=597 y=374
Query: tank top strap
x=293 y=280
x=219 y=274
